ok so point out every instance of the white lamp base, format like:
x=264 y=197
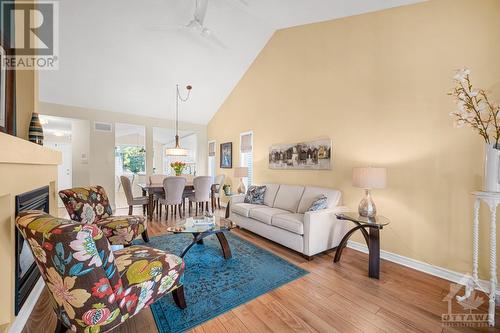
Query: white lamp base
x=367 y=207
x=241 y=187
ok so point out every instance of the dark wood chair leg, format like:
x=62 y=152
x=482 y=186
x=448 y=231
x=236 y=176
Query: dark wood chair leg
x=60 y=328
x=160 y=209
x=218 y=202
x=145 y=236
x=144 y=209
x=196 y=209
x=130 y=208
x=175 y=210
x=179 y=299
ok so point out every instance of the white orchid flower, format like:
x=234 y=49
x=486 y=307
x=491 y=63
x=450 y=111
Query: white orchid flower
x=473 y=93
x=461 y=74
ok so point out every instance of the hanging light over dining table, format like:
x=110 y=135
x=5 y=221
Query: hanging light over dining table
x=178 y=150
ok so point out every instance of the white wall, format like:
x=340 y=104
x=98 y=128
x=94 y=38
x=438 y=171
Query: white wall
x=80 y=142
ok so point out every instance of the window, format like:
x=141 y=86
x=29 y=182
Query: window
x=246 y=155
x=211 y=158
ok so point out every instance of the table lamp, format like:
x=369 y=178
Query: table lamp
x=368 y=178
x=241 y=172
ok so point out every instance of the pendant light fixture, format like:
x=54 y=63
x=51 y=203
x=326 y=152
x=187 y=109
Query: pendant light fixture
x=177 y=150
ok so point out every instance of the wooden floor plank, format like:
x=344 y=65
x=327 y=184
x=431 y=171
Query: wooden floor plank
x=331 y=298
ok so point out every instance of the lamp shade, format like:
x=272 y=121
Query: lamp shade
x=241 y=172
x=369 y=178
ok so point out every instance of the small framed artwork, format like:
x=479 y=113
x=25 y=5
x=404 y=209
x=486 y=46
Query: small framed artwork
x=226 y=155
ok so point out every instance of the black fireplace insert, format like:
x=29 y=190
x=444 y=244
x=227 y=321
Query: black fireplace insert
x=27 y=273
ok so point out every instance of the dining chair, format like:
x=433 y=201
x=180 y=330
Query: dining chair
x=92 y=288
x=131 y=200
x=157 y=180
x=174 y=190
x=91 y=205
x=201 y=197
x=219 y=183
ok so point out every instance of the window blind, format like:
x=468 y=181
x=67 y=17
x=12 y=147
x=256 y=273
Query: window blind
x=246 y=143
x=211 y=148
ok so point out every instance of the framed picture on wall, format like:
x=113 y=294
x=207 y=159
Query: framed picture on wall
x=6 y=93
x=226 y=155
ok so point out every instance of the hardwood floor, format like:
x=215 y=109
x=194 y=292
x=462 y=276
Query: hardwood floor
x=332 y=298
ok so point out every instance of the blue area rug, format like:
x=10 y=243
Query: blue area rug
x=213 y=285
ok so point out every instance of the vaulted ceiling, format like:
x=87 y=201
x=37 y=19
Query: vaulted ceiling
x=127 y=55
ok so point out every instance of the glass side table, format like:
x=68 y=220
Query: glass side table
x=372 y=238
x=228 y=206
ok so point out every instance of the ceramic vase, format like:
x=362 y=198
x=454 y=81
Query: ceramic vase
x=491 y=169
x=35 y=130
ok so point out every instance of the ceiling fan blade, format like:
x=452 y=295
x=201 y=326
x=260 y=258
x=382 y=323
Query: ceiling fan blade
x=208 y=34
x=201 y=11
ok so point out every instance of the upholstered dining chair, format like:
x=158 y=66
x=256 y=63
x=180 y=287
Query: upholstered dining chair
x=157 y=180
x=202 y=188
x=131 y=200
x=174 y=190
x=219 y=183
x=92 y=288
x=91 y=205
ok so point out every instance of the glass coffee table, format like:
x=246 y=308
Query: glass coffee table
x=201 y=227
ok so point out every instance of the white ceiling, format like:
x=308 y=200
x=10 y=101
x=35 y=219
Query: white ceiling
x=114 y=57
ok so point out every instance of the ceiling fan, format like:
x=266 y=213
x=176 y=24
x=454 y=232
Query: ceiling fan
x=197 y=24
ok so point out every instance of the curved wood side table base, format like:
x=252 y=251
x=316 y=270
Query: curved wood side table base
x=372 y=239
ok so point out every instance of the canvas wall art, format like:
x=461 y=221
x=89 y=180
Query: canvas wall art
x=312 y=155
x=226 y=155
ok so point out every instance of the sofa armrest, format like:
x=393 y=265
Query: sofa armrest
x=322 y=229
x=237 y=198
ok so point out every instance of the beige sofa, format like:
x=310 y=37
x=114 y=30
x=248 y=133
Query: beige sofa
x=284 y=219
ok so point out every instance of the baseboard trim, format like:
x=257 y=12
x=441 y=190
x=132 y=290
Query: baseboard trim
x=28 y=306
x=421 y=266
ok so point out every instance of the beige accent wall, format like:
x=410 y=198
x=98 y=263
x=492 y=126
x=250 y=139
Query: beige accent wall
x=24 y=166
x=376 y=84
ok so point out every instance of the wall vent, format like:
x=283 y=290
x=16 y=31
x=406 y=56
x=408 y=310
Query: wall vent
x=103 y=127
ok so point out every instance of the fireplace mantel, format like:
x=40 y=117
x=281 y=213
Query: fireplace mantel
x=24 y=166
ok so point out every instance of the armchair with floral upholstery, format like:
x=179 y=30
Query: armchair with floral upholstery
x=91 y=205
x=92 y=288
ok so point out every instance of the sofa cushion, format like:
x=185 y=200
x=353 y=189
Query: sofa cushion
x=243 y=209
x=255 y=195
x=321 y=202
x=265 y=214
x=311 y=193
x=270 y=194
x=288 y=197
x=291 y=222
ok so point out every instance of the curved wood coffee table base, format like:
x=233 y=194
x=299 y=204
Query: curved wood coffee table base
x=198 y=239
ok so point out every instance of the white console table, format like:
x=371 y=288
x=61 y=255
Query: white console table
x=492 y=199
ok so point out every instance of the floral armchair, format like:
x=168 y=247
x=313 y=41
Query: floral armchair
x=91 y=205
x=92 y=288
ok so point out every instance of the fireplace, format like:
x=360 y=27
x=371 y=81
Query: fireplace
x=27 y=273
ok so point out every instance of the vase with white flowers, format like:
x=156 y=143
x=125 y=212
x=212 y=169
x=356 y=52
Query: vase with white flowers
x=475 y=110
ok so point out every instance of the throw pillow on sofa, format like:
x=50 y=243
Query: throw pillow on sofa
x=321 y=202
x=255 y=195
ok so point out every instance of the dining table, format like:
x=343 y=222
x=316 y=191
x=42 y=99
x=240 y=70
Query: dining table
x=150 y=190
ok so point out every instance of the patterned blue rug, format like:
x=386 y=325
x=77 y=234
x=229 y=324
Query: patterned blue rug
x=213 y=285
